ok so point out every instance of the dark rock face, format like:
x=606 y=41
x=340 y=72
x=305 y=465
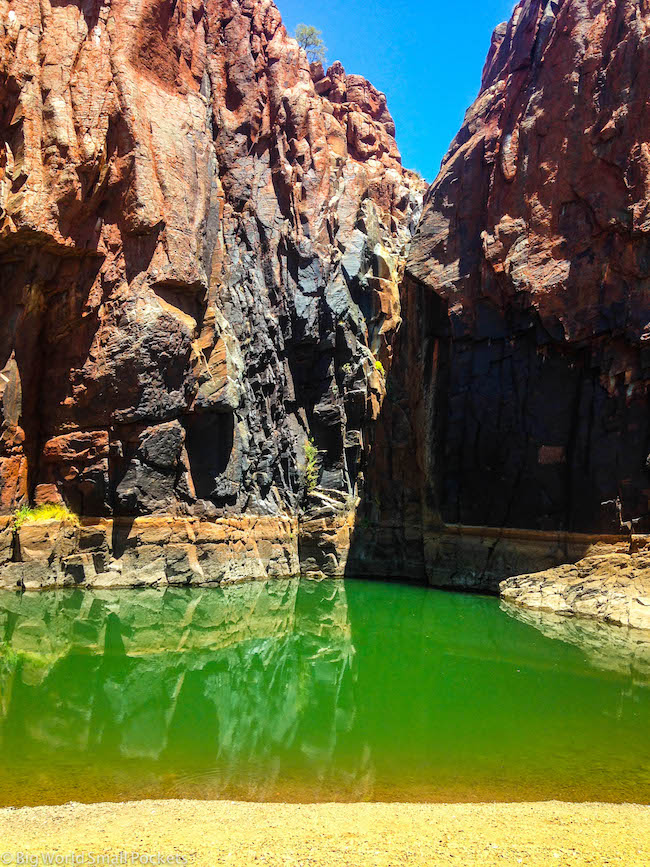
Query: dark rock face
x=534 y=351
x=201 y=244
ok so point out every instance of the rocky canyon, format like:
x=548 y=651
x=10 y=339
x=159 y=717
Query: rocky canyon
x=238 y=337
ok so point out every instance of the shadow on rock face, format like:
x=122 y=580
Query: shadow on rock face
x=210 y=439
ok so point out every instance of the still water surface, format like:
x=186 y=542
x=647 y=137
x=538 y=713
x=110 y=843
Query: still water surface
x=306 y=691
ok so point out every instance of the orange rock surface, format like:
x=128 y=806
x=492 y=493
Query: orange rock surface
x=200 y=249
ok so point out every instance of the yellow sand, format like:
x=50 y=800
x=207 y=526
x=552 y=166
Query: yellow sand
x=208 y=833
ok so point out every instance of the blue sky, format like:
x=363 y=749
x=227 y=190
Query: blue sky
x=426 y=56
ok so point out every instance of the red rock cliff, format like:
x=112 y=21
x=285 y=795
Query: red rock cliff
x=200 y=252
x=525 y=356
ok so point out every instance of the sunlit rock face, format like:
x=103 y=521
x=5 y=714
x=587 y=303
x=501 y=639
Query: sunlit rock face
x=523 y=364
x=201 y=243
x=610 y=587
x=203 y=263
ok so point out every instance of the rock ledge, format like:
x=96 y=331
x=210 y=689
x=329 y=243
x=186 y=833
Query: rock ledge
x=613 y=587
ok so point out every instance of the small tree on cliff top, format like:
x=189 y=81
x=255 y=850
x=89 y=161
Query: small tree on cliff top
x=309 y=38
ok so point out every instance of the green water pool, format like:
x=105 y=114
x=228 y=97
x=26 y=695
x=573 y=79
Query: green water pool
x=309 y=691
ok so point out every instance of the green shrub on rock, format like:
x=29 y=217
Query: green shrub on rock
x=311 y=465
x=48 y=512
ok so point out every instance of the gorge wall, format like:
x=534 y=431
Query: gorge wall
x=208 y=259
x=521 y=381
x=536 y=238
x=201 y=243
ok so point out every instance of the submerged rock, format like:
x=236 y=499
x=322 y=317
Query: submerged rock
x=608 y=647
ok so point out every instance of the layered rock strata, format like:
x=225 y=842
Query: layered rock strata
x=148 y=552
x=157 y=551
x=201 y=244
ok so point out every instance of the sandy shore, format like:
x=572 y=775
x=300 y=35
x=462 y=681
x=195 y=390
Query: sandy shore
x=206 y=834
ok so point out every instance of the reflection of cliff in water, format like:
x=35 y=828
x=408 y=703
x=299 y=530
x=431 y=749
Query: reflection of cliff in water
x=607 y=647
x=237 y=680
x=305 y=691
